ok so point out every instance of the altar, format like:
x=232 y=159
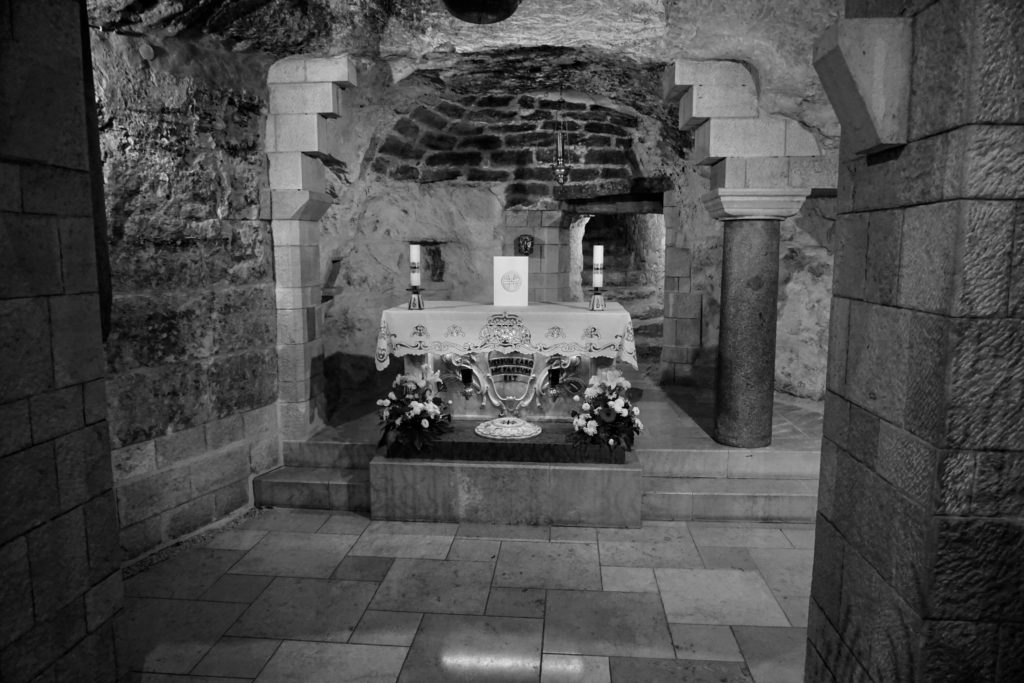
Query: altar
x=507 y=361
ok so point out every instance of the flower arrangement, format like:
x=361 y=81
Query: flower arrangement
x=411 y=414
x=605 y=415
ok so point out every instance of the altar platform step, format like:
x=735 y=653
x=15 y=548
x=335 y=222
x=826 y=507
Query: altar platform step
x=322 y=488
x=704 y=498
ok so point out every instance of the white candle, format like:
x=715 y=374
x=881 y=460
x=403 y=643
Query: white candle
x=559 y=144
x=598 y=279
x=414 y=254
x=414 y=278
x=598 y=254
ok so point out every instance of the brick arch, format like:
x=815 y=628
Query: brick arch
x=508 y=138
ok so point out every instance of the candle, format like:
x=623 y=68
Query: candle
x=414 y=265
x=559 y=145
x=598 y=278
x=598 y=254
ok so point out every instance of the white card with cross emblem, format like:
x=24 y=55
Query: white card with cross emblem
x=511 y=280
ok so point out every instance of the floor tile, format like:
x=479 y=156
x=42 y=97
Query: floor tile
x=629 y=579
x=801 y=538
x=238 y=657
x=351 y=523
x=787 y=572
x=446 y=586
x=738 y=536
x=284 y=553
x=656 y=544
x=527 y=564
x=727 y=558
x=184 y=576
x=237 y=588
x=333 y=662
x=412 y=528
x=574 y=669
x=699 y=641
x=235 y=539
x=287 y=519
x=170 y=636
x=675 y=553
x=402 y=545
x=504 y=532
x=144 y=677
x=606 y=623
x=516 y=602
x=574 y=534
x=359 y=568
x=796 y=609
x=629 y=670
x=386 y=628
x=718 y=596
x=306 y=609
x=474 y=648
x=774 y=655
x=480 y=550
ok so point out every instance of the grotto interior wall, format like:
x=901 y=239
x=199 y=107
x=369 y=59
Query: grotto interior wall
x=183 y=99
x=191 y=362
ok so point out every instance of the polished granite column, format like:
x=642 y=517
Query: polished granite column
x=744 y=382
x=745 y=375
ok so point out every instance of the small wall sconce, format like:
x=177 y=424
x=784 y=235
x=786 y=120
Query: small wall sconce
x=524 y=245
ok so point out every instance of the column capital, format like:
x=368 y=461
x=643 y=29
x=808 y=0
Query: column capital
x=754 y=204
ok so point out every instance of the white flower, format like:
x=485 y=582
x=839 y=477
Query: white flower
x=585 y=406
x=424 y=423
x=624 y=412
x=591 y=392
x=416 y=407
x=576 y=398
x=636 y=411
x=618 y=404
x=639 y=424
x=392 y=396
x=611 y=442
x=591 y=428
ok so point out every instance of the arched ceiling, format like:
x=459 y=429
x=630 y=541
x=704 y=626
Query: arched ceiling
x=774 y=38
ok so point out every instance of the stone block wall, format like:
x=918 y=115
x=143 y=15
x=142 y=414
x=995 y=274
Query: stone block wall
x=499 y=138
x=549 y=262
x=191 y=360
x=682 y=334
x=920 y=528
x=60 y=571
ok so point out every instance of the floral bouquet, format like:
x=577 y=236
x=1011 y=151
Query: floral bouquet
x=412 y=414
x=605 y=415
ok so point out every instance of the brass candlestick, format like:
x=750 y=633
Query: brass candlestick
x=415 y=299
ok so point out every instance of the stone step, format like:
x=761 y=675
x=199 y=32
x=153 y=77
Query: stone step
x=735 y=463
x=768 y=500
x=324 y=488
x=330 y=447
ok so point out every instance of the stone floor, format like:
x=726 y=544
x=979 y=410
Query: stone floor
x=308 y=596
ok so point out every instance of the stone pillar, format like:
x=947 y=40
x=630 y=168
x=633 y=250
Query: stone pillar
x=920 y=524
x=306 y=102
x=745 y=378
x=745 y=381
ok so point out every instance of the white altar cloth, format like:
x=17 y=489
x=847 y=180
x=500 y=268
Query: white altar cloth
x=460 y=327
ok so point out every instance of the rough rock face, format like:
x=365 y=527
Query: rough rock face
x=191 y=261
x=411 y=54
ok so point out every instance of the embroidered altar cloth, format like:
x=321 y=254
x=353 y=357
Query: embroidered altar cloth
x=459 y=327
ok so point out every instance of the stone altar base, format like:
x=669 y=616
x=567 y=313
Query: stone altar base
x=501 y=492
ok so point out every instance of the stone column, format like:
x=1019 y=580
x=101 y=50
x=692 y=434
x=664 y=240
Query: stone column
x=745 y=378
